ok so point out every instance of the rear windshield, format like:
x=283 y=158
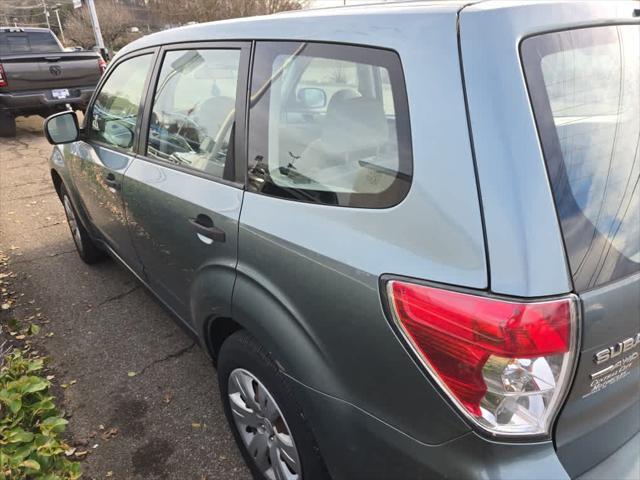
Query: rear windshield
x=584 y=86
x=27 y=42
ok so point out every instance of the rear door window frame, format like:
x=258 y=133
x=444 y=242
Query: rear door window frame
x=239 y=156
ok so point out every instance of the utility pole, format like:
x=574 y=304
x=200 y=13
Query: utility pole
x=96 y=28
x=46 y=13
x=57 y=10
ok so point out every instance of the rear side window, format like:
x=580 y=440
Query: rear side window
x=584 y=85
x=28 y=42
x=329 y=124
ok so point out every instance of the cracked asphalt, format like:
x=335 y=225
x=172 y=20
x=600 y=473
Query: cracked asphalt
x=135 y=370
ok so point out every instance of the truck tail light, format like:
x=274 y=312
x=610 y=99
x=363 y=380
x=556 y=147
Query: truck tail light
x=102 y=65
x=505 y=364
x=3 y=77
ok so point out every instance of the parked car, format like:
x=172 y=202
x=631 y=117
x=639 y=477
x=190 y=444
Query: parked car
x=39 y=77
x=407 y=234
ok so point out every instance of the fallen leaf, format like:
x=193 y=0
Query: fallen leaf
x=110 y=433
x=132 y=374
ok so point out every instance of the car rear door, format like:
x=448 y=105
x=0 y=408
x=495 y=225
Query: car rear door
x=184 y=193
x=554 y=112
x=98 y=162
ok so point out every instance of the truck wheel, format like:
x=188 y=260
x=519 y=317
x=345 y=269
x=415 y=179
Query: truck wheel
x=7 y=125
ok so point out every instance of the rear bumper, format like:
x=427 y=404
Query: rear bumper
x=623 y=464
x=357 y=445
x=36 y=101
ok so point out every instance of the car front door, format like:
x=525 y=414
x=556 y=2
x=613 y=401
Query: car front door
x=98 y=161
x=183 y=195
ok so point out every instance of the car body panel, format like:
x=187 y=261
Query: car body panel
x=294 y=254
x=370 y=449
x=524 y=244
x=611 y=401
x=511 y=166
x=92 y=167
x=160 y=202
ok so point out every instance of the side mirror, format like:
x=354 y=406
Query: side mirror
x=118 y=133
x=312 y=97
x=62 y=128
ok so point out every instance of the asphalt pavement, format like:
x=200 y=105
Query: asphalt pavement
x=140 y=396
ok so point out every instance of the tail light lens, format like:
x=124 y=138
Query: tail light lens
x=3 y=77
x=504 y=364
x=102 y=65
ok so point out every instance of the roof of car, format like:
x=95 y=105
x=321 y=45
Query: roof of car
x=286 y=25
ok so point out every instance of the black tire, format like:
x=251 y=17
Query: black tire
x=87 y=249
x=7 y=125
x=242 y=351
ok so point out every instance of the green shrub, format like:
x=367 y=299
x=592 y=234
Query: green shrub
x=30 y=428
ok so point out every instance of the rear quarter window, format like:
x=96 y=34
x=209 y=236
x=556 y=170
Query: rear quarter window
x=584 y=86
x=329 y=124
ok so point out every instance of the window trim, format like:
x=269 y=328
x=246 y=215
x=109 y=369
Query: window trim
x=136 y=134
x=396 y=76
x=240 y=151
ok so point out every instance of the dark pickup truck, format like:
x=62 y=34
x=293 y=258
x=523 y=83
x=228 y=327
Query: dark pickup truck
x=38 y=77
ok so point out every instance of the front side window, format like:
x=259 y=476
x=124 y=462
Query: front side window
x=115 y=112
x=329 y=124
x=193 y=116
x=585 y=89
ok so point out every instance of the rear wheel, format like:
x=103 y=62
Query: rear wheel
x=89 y=252
x=7 y=124
x=267 y=422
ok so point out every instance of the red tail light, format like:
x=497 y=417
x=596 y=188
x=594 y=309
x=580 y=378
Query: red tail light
x=3 y=77
x=102 y=65
x=505 y=364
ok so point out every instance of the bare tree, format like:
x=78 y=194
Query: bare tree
x=116 y=21
x=118 y=16
x=208 y=10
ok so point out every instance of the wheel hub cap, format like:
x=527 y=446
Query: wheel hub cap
x=263 y=428
x=73 y=223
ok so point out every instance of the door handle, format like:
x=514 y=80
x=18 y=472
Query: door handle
x=203 y=225
x=111 y=181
